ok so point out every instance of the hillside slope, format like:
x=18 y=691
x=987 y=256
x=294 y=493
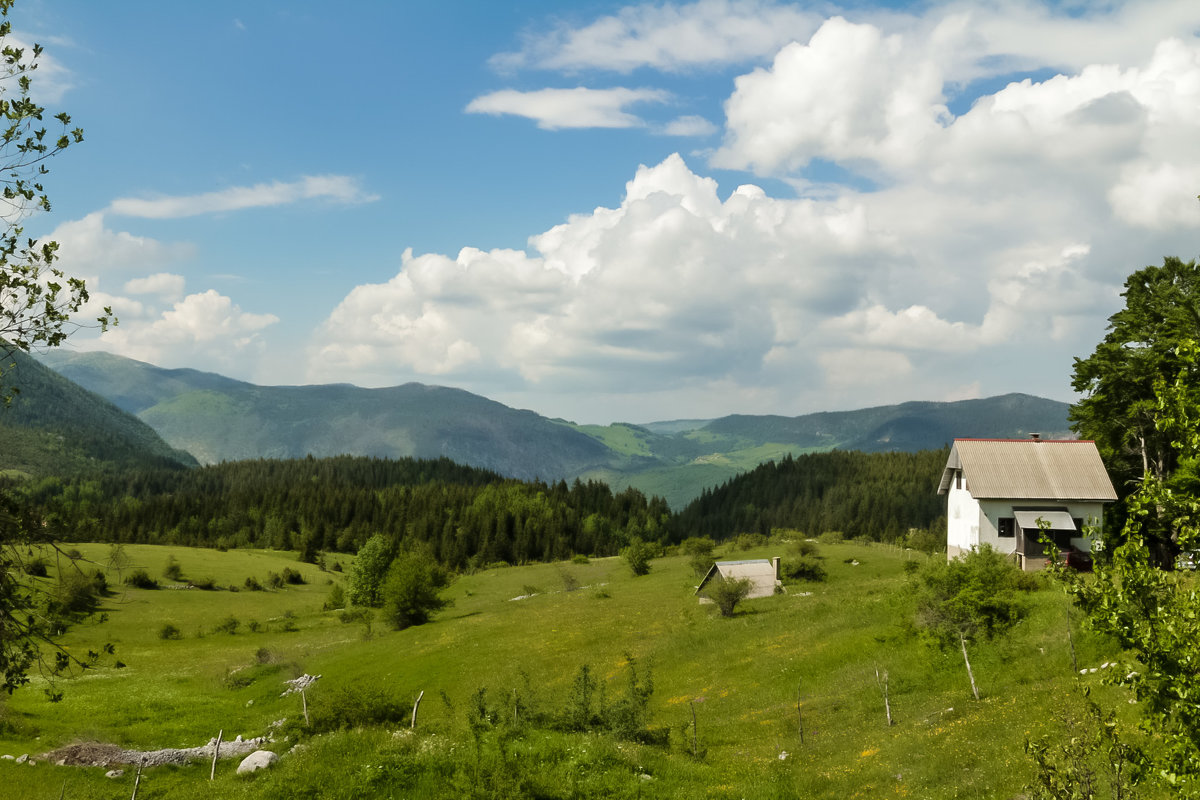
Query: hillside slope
x=220 y=419
x=56 y=427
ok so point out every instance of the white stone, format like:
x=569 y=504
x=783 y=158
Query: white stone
x=114 y=773
x=259 y=759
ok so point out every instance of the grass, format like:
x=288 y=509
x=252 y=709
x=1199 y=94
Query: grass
x=820 y=643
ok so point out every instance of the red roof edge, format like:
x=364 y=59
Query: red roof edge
x=1038 y=441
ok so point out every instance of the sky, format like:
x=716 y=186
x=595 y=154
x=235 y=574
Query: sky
x=621 y=211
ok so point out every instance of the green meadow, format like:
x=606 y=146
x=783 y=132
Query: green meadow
x=490 y=663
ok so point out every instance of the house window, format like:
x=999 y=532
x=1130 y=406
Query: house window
x=958 y=479
x=1006 y=529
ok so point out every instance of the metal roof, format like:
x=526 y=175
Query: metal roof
x=1056 y=520
x=1043 y=469
x=760 y=572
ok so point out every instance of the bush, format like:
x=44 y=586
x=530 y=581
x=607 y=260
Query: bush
x=289 y=622
x=748 y=541
x=356 y=706
x=802 y=569
x=579 y=558
x=228 y=625
x=369 y=570
x=831 y=537
x=253 y=585
x=140 y=579
x=36 y=567
x=100 y=583
x=410 y=591
x=803 y=547
x=74 y=598
x=638 y=555
x=357 y=614
x=926 y=541
x=169 y=631
x=173 y=571
x=206 y=584
x=726 y=594
x=336 y=599
x=699 y=549
x=292 y=576
x=274 y=580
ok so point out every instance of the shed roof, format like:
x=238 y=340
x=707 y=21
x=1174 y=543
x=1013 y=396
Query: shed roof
x=759 y=571
x=1044 y=469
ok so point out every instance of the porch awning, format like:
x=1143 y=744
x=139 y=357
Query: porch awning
x=1058 y=520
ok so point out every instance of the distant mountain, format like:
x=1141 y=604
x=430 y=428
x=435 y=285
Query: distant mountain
x=55 y=427
x=220 y=419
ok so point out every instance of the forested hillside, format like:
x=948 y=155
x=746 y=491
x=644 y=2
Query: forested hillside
x=879 y=496
x=467 y=516
x=52 y=426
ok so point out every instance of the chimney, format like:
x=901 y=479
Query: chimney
x=1037 y=437
x=775 y=564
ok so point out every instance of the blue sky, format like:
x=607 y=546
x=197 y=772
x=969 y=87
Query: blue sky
x=621 y=211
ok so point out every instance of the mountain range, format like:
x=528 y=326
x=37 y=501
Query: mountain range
x=214 y=418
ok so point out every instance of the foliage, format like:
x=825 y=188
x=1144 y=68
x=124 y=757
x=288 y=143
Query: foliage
x=411 y=590
x=1086 y=759
x=637 y=555
x=930 y=541
x=802 y=569
x=876 y=495
x=36 y=298
x=1154 y=614
x=969 y=597
x=336 y=599
x=228 y=625
x=353 y=706
x=368 y=571
x=173 y=571
x=726 y=594
x=140 y=579
x=169 y=631
x=1119 y=408
x=699 y=550
x=749 y=541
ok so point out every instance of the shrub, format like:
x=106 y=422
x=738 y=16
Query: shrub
x=802 y=569
x=169 y=631
x=357 y=614
x=228 y=625
x=253 y=585
x=700 y=552
x=254 y=626
x=140 y=579
x=369 y=570
x=926 y=541
x=74 y=554
x=173 y=571
x=274 y=580
x=75 y=596
x=292 y=576
x=831 y=537
x=336 y=599
x=206 y=584
x=726 y=594
x=263 y=656
x=803 y=547
x=356 y=706
x=100 y=583
x=748 y=541
x=579 y=558
x=36 y=567
x=289 y=622
x=410 y=592
x=638 y=555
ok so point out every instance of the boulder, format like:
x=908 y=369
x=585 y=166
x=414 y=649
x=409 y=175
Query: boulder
x=259 y=759
x=114 y=773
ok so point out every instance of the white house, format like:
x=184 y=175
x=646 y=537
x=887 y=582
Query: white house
x=762 y=574
x=998 y=490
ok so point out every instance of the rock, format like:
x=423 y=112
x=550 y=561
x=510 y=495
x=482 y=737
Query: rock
x=7 y=757
x=114 y=773
x=23 y=759
x=259 y=759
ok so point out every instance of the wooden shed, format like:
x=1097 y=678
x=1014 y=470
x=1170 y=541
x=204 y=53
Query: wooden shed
x=762 y=573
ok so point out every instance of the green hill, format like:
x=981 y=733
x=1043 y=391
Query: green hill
x=52 y=426
x=496 y=670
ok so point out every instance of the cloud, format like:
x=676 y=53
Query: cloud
x=689 y=126
x=333 y=188
x=553 y=109
x=163 y=284
x=205 y=330
x=88 y=247
x=665 y=36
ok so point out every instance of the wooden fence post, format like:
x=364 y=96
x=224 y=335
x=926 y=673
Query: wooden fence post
x=416 y=705
x=799 y=715
x=216 y=752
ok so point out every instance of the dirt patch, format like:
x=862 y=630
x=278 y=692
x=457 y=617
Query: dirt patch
x=96 y=754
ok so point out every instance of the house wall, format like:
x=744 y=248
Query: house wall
x=993 y=510
x=962 y=520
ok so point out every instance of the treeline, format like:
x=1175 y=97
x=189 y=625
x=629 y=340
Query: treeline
x=879 y=496
x=466 y=516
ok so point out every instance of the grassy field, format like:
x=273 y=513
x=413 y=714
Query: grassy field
x=820 y=644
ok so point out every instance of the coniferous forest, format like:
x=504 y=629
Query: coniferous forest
x=469 y=517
